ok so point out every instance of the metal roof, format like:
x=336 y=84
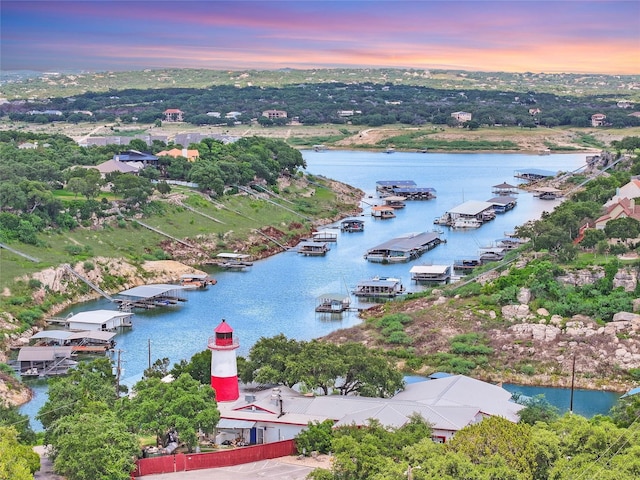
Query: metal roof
x=53 y=334
x=92 y=335
x=430 y=269
x=504 y=185
x=333 y=296
x=149 y=291
x=235 y=256
x=199 y=276
x=379 y=281
x=501 y=200
x=396 y=183
x=472 y=207
x=547 y=190
x=97 y=316
x=43 y=354
x=414 y=190
x=537 y=172
x=407 y=242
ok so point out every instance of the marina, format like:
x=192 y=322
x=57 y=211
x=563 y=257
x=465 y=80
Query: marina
x=403 y=248
x=296 y=282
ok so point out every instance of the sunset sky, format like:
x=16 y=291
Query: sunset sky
x=573 y=36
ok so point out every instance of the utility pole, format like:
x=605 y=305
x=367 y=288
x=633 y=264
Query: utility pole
x=118 y=370
x=573 y=377
x=149 y=349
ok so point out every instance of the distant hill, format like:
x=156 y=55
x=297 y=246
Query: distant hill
x=28 y=84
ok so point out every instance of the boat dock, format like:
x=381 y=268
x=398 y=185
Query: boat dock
x=385 y=287
x=394 y=201
x=385 y=187
x=547 y=193
x=151 y=296
x=415 y=193
x=382 y=212
x=504 y=189
x=196 y=280
x=324 y=236
x=431 y=273
x=313 y=249
x=466 y=265
x=404 y=248
x=234 y=261
x=470 y=214
x=352 y=225
x=333 y=303
x=502 y=203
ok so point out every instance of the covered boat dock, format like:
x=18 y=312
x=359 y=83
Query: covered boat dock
x=431 y=273
x=385 y=187
x=415 y=193
x=352 y=225
x=324 y=236
x=106 y=320
x=333 y=303
x=403 y=249
x=472 y=209
x=547 y=193
x=234 y=261
x=534 y=174
x=502 y=203
x=44 y=361
x=379 y=287
x=151 y=296
x=504 y=189
x=382 y=212
x=313 y=249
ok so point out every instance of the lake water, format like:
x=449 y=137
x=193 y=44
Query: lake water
x=279 y=294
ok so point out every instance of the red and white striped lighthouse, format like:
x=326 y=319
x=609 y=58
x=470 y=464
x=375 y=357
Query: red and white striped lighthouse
x=224 y=368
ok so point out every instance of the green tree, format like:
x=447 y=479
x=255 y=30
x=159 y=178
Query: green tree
x=626 y=410
x=199 y=367
x=184 y=404
x=10 y=416
x=538 y=409
x=268 y=360
x=93 y=445
x=17 y=461
x=367 y=372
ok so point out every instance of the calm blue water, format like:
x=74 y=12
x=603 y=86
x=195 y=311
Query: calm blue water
x=278 y=294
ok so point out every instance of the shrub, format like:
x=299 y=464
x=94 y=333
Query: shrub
x=316 y=438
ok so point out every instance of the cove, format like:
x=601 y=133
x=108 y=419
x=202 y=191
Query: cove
x=279 y=294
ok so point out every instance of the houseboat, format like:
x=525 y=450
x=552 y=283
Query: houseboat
x=352 y=225
x=404 y=248
x=234 y=261
x=196 y=280
x=431 y=273
x=382 y=212
x=313 y=249
x=324 y=236
x=333 y=303
x=385 y=287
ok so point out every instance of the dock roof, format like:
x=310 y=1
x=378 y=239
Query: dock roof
x=92 y=335
x=414 y=190
x=396 y=183
x=407 y=242
x=536 y=172
x=150 y=291
x=53 y=334
x=97 y=317
x=233 y=256
x=472 y=207
x=43 y=354
x=431 y=269
x=379 y=282
x=504 y=185
x=502 y=200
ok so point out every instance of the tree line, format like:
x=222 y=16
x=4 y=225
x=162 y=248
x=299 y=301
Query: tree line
x=371 y=104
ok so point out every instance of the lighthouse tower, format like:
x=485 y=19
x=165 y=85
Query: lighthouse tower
x=224 y=369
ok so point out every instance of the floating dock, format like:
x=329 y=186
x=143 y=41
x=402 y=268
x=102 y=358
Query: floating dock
x=502 y=203
x=333 y=303
x=234 y=261
x=431 y=273
x=151 y=296
x=382 y=212
x=313 y=249
x=352 y=225
x=403 y=249
x=385 y=287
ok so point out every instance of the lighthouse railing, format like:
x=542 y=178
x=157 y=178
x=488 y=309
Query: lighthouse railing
x=211 y=343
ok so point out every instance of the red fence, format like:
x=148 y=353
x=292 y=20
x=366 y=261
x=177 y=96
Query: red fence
x=182 y=462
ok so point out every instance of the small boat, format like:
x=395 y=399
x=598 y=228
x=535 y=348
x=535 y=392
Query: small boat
x=379 y=287
x=466 y=223
x=390 y=150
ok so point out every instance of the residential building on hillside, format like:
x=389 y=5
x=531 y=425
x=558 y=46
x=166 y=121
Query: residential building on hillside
x=598 y=120
x=462 y=116
x=173 y=115
x=191 y=155
x=274 y=114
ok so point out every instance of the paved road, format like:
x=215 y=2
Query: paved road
x=265 y=469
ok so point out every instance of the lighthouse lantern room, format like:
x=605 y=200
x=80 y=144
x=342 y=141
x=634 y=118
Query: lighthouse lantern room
x=224 y=368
